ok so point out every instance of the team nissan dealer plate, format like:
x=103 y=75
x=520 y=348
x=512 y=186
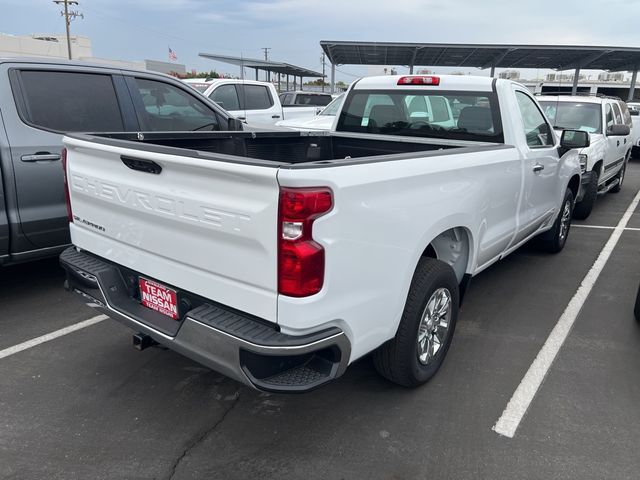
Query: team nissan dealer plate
x=159 y=298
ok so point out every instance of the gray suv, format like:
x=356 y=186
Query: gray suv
x=41 y=100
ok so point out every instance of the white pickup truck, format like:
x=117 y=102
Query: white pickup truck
x=255 y=102
x=279 y=258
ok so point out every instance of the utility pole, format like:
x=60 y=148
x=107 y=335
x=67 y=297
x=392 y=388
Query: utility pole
x=322 y=59
x=266 y=59
x=68 y=15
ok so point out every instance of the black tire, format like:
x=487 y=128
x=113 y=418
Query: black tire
x=583 y=208
x=397 y=360
x=620 y=177
x=636 y=310
x=554 y=240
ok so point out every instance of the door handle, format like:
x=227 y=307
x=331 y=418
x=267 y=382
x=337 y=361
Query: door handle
x=275 y=116
x=41 y=157
x=242 y=118
x=538 y=167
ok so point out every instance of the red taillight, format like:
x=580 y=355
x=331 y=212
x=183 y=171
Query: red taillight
x=419 y=80
x=300 y=258
x=66 y=185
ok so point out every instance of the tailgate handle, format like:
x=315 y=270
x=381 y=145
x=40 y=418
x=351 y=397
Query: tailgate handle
x=140 y=165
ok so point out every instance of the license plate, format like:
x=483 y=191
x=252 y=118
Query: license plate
x=159 y=298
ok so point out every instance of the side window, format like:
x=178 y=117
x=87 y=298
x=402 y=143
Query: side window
x=536 y=129
x=287 y=99
x=171 y=109
x=255 y=97
x=417 y=107
x=226 y=96
x=609 y=116
x=616 y=111
x=375 y=101
x=440 y=110
x=71 y=101
x=625 y=114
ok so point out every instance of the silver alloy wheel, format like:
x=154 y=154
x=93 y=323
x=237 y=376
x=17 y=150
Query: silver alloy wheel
x=564 y=221
x=434 y=325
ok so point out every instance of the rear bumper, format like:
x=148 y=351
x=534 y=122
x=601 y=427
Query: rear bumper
x=237 y=345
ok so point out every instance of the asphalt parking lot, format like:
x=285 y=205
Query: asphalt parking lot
x=87 y=405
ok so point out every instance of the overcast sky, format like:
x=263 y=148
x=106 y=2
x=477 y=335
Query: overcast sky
x=144 y=29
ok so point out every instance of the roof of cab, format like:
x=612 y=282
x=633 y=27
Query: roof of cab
x=571 y=98
x=447 y=82
x=76 y=63
x=306 y=92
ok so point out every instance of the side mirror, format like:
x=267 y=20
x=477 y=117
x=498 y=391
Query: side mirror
x=575 y=139
x=618 y=130
x=634 y=113
x=571 y=139
x=235 y=125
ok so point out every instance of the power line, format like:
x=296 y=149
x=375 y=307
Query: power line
x=68 y=15
x=347 y=73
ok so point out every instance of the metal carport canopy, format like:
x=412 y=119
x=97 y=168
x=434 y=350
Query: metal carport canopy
x=557 y=57
x=276 y=67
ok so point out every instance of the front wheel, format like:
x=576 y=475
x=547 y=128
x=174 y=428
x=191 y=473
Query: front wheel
x=553 y=241
x=583 y=208
x=426 y=329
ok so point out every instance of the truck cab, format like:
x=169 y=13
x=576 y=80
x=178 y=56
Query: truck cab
x=604 y=161
x=250 y=101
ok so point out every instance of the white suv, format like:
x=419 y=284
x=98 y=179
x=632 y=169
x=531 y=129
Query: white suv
x=604 y=161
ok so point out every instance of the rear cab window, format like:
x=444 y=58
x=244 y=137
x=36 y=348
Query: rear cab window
x=67 y=101
x=313 y=99
x=473 y=116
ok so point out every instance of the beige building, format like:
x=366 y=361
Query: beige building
x=44 y=45
x=55 y=46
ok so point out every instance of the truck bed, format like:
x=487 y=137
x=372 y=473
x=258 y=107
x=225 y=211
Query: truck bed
x=284 y=148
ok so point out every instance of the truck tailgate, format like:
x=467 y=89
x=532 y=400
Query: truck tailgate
x=209 y=226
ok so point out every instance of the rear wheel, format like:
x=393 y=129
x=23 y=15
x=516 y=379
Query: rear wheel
x=426 y=329
x=583 y=208
x=553 y=241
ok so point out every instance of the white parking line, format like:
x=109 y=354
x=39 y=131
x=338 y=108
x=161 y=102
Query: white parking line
x=508 y=423
x=50 y=336
x=627 y=229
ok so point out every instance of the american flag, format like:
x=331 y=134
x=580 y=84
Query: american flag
x=172 y=55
